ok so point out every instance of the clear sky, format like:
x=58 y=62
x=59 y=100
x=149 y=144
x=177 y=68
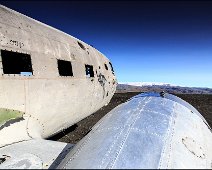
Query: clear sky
x=147 y=41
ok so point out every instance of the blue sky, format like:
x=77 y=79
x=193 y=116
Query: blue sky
x=147 y=41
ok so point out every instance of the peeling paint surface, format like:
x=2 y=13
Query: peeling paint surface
x=26 y=161
x=34 y=154
x=37 y=88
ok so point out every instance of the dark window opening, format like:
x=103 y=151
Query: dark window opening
x=16 y=63
x=111 y=66
x=65 y=68
x=107 y=94
x=106 y=67
x=81 y=45
x=2 y=160
x=89 y=71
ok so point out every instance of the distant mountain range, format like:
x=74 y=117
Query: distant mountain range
x=124 y=87
x=147 y=84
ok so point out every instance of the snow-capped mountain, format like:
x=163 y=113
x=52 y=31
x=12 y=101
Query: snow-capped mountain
x=147 y=84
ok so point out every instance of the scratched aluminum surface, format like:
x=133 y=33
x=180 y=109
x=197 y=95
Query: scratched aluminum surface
x=149 y=131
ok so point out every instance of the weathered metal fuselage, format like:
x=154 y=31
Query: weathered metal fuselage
x=43 y=103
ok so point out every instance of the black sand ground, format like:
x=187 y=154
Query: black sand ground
x=203 y=103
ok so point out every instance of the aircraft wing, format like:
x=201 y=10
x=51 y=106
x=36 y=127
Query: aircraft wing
x=151 y=130
x=33 y=154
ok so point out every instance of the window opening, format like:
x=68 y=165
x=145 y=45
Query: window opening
x=89 y=70
x=111 y=66
x=81 y=45
x=106 y=67
x=16 y=63
x=64 y=68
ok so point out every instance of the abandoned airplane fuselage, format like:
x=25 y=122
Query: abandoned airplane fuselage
x=49 y=80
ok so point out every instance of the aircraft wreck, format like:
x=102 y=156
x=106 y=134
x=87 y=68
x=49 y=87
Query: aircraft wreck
x=50 y=80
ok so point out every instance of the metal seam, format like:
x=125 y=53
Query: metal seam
x=125 y=137
x=168 y=134
x=143 y=131
x=77 y=151
x=115 y=141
